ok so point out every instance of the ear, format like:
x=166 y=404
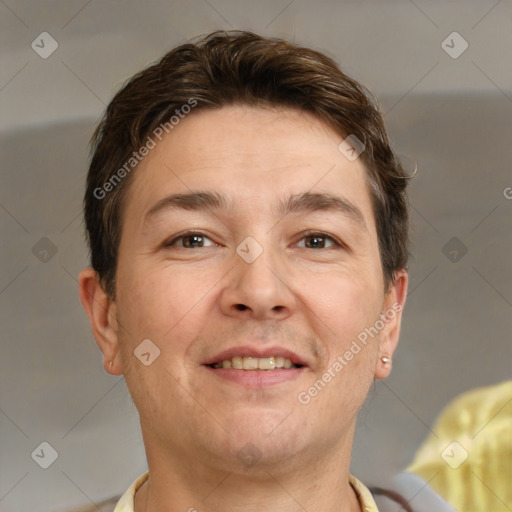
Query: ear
x=101 y=311
x=391 y=315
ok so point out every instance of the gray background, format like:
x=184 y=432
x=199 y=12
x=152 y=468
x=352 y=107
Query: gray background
x=450 y=115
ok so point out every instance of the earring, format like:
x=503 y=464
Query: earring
x=385 y=360
x=110 y=364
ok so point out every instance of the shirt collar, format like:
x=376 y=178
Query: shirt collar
x=126 y=503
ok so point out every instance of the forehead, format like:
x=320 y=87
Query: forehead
x=252 y=156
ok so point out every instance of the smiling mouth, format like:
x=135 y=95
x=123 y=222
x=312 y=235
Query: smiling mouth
x=256 y=363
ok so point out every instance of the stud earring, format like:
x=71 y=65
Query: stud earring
x=385 y=360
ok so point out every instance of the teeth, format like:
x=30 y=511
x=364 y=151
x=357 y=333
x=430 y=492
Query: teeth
x=255 y=363
x=267 y=363
x=250 y=363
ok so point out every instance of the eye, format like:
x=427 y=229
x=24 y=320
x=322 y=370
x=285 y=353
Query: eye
x=318 y=241
x=190 y=241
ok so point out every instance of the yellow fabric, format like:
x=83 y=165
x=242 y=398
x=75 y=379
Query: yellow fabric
x=469 y=459
x=363 y=494
x=125 y=504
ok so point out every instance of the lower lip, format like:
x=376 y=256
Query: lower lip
x=257 y=378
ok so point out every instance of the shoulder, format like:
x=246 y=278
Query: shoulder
x=415 y=492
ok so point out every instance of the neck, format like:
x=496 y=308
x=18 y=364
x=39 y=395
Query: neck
x=302 y=483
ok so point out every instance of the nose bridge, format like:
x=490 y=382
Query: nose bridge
x=256 y=283
x=257 y=272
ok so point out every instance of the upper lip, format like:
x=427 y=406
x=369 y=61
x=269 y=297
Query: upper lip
x=251 y=351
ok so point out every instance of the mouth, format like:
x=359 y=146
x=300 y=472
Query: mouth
x=256 y=367
x=248 y=363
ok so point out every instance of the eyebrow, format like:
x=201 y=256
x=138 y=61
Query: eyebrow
x=314 y=202
x=191 y=201
x=299 y=203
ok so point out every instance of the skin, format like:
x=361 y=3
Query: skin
x=306 y=294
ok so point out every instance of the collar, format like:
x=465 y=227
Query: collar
x=126 y=503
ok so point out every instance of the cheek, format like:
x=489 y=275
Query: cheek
x=171 y=309
x=159 y=303
x=343 y=303
x=342 y=309
x=340 y=385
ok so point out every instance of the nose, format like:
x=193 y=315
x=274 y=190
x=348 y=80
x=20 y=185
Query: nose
x=258 y=290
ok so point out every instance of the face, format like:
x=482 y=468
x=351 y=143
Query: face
x=249 y=244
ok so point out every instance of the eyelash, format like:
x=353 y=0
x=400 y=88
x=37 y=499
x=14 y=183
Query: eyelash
x=172 y=241
x=309 y=234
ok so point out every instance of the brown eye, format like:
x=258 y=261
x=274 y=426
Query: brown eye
x=193 y=241
x=317 y=241
x=190 y=241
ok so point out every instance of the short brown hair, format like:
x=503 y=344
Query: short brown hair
x=226 y=68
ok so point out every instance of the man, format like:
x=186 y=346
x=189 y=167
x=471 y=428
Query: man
x=247 y=221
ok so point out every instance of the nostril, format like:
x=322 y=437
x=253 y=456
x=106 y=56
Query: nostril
x=241 y=307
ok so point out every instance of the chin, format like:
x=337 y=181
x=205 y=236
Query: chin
x=269 y=437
